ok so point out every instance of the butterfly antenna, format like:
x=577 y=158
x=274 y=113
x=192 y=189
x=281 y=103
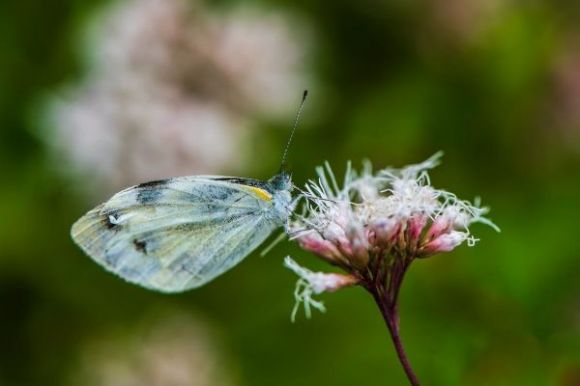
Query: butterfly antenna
x=283 y=163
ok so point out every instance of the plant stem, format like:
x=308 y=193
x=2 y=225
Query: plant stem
x=391 y=317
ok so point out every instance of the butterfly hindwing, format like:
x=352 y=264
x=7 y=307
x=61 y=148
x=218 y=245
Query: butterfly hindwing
x=177 y=234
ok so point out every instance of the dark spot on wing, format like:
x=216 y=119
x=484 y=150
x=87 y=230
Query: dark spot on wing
x=149 y=196
x=150 y=192
x=190 y=227
x=218 y=193
x=140 y=246
x=154 y=184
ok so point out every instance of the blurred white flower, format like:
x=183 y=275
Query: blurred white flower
x=376 y=224
x=176 y=351
x=173 y=88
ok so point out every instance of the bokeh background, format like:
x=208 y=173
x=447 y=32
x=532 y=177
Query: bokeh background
x=96 y=96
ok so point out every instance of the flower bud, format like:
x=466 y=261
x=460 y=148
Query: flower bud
x=440 y=225
x=444 y=243
x=416 y=225
x=385 y=230
x=333 y=232
x=330 y=282
x=314 y=243
x=359 y=245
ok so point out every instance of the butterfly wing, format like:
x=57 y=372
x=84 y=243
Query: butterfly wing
x=178 y=234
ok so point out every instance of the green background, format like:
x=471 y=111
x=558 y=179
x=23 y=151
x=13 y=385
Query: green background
x=397 y=84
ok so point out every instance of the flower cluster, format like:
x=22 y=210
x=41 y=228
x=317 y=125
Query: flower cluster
x=168 y=348
x=376 y=224
x=175 y=81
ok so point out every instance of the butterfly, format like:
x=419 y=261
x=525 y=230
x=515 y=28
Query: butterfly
x=180 y=233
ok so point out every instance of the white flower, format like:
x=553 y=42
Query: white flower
x=171 y=349
x=173 y=88
x=374 y=226
x=390 y=211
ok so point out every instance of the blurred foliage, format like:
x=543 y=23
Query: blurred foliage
x=398 y=81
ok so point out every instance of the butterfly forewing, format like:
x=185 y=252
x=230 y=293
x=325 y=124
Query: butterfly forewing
x=177 y=234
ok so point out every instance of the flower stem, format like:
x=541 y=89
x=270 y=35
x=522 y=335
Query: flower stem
x=391 y=317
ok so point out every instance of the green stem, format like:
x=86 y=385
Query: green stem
x=391 y=317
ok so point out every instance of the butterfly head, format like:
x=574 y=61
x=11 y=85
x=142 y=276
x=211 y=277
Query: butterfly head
x=281 y=185
x=281 y=181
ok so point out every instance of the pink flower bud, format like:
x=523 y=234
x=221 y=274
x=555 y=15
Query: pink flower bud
x=359 y=245
x=444 y=243
x=330 y=282
x=440 y=225
x=333 y=232
x=416 y=225
x=451 y=218
x=385 y=230
x=314 y=243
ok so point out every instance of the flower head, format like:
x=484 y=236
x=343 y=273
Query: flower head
x=393 y=209
x=377 y=223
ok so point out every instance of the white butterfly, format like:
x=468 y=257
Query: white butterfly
x=178 y=234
